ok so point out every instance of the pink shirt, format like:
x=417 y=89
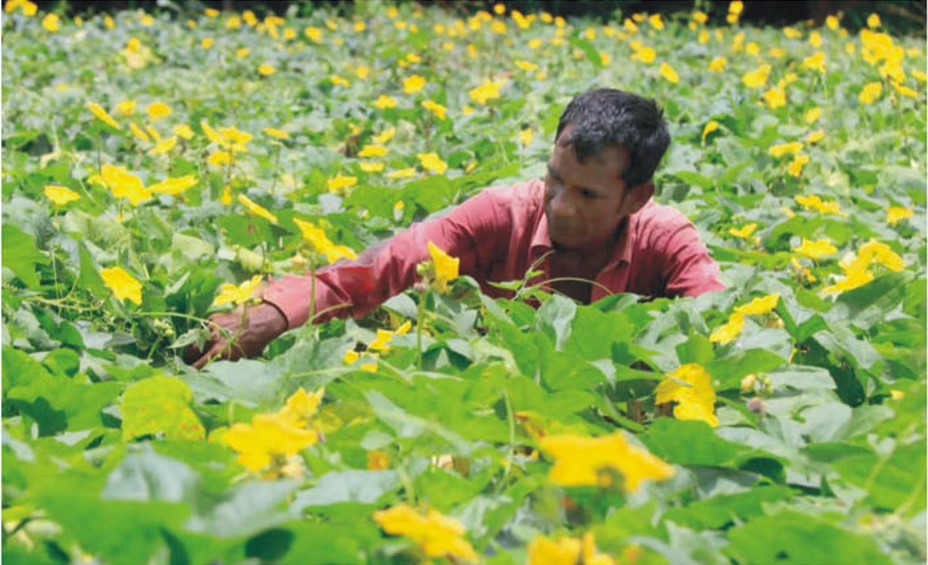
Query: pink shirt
x=498 y=235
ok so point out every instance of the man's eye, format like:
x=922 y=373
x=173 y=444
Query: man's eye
x=588 y=194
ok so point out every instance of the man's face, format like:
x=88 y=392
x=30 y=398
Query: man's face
x=585 y=202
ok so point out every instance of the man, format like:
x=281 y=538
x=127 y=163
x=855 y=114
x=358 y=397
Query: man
x=590 y=227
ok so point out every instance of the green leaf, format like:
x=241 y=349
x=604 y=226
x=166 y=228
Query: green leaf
x=245 y=510
x=689 y=443
x=723 y=510
x=893 y=481
x=593 y=333
x=869 y=304
x=159 y=405
x=146 y=476
x=793 y=537
x=365 y=487
x=20 y=255
x=554 y=319
x=728 y=371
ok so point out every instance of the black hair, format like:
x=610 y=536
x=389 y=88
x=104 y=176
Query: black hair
x=606 y=117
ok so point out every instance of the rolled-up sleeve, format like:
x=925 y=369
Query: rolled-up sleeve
x=474 y=232
x=688 y=270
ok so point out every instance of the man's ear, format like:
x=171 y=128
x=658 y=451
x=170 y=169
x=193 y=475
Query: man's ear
x=639 y=195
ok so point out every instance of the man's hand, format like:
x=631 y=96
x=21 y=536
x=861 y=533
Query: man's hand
x=239 y=334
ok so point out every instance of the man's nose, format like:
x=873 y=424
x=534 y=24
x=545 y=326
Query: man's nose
x=562 y=205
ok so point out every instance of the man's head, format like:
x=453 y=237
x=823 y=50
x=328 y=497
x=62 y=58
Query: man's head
x=608 y=145
x=606 y=117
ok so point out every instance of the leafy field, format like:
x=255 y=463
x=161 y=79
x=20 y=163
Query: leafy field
x=149 y=159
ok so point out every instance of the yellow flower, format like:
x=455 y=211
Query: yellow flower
x=446 y=267
x=711 y=126
x=158 y=110
x=814 y=202
x=873 y=21
x=234 y=139
x=435 y=108
x=813 y=115
x=815 y=62
x=904 y=90
x=314 y=34
x=125 y=108
x=28 y=8
x=122 y=184
x=184 y=131
x=256 y=209
x=123 y=285
x=242 y=52
x=339 y=81
x=60 y=195
x=362 y=72
x=567 y=551
x=870 y=93
x=102 y=114
x=219 y=159
x=816 y=249
x=153 y=133
x=267 y=439
x=237 y=294
x=736 y=7
x=758 y=306
x=174 y=185
x=207 y=42
x=729 y=330
x=526 y=65
x=795 y=166
x=377 y=461
x=301 y=406
x=211 y=12
x=402 y=173
x=316 y=237
x=51 y=23
x=340 y=183
x=743 y=232
x=383 y=102
x=717 y=64
x=775 y=98
x=815 y=137
x=413 y=84
x=852 y=279
x=266 y=69
x=373 y=151
x=785 y=149
x=487 y=91
x=831 y=22
x=876 y=252
x=437 y=535
x=372 y=166
x=385 y=136
x=580 y=461
x=432 y=163
x=690 y=386
x=351 y=357
x=758 y=77
x=669 y=73
x=277 y=133
x=525 y=137
x=700 y=17
x=164 y=146
x=895 y=214
x=644 y=54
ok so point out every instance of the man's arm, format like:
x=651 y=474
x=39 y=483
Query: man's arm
x=687 y=269
x=474 y=232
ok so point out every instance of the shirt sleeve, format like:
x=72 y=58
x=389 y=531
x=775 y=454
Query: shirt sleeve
x=687 y=269
x=474 y=232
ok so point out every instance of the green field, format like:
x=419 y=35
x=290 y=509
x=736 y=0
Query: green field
x=148 y=159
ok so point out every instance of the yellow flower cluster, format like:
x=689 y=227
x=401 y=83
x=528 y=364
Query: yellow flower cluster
x=815 y=202
x=269 y=442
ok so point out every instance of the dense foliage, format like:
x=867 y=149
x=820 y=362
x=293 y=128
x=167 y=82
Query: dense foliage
x=157 y=167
